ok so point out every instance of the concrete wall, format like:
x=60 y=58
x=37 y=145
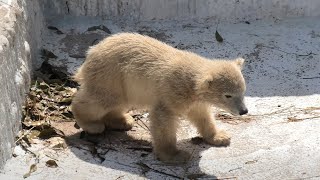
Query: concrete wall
x=222 y=10
x=20 y=26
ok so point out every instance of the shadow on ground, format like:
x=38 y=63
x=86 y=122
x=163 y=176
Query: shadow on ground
x=123 y=152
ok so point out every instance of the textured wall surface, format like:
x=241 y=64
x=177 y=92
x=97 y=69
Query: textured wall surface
x=19 y=36
x=222 y=10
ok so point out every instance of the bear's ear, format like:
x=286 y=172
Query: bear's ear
x=239 y=62
x=207 y=82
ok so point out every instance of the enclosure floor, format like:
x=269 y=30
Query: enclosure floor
x=279 y=140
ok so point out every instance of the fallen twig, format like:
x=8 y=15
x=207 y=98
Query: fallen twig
x=275 y=112
x=33 y=153
x=138 y=118
x=120 y=177
x=278 y=49
x=148 y=168
x=284 y=111
x=229 y=177
x=51 y=157
x=143 y=127
x=205 y=176
x=144 y=124
x=77 y=56
x=147 y=149
x=317 y=77
x=24 y=134
x=310 y=177
x=294 y=119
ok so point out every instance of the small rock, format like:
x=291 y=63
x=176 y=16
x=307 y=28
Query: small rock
x=18 y=151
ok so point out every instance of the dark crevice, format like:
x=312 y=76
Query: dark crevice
x=67 y=4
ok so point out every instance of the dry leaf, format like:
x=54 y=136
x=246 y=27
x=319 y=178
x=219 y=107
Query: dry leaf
x=294 y=119
x=32 y=169
x=60 y=88
x=51 y=163
x=101 y=27
x=57 y=143
x=67 y=114
x=47 y=54
x=47 y=133
x=76 y=126
x=43 y=86
x=58 y=132
x=30 y=123
x=33 y=134
x=61 y=145
x=66 y=100
x=251 y=162
x=218 y=37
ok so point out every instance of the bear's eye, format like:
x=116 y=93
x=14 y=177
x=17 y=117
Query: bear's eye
x=228 y=96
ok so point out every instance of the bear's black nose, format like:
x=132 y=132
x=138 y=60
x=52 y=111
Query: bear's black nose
x=243 y=111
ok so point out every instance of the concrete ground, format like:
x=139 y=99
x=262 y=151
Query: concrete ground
x=279 y=139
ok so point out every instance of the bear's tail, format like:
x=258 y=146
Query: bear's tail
x=78 y=76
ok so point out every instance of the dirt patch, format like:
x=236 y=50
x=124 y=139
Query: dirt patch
x=226 y=118
x=183 y=46
x=159 y=35
x=76 y=45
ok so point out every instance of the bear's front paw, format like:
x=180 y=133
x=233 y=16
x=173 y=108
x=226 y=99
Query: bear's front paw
x=221 y=138
x=92 y=127
x=124 y=123
x=129 y=122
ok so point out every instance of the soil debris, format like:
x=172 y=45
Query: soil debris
x=159 y=35
x=48 y=100
x=197 y=140
x=226 y=118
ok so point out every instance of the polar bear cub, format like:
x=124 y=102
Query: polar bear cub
x=130 y=70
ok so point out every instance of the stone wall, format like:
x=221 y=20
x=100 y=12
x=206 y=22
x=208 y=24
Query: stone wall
x=218 y=10
x=20 y=29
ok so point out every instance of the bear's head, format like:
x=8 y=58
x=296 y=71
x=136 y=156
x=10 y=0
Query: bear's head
x=224 y=86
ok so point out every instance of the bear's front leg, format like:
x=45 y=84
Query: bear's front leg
x=163 y=130
x=200 y=116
